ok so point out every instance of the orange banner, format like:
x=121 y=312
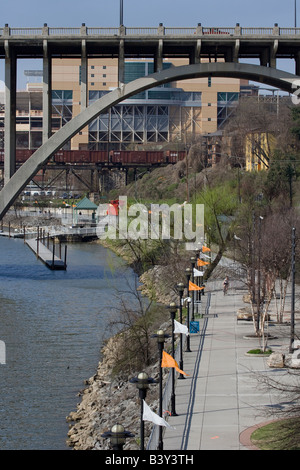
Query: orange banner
x=200 y=262
x=193 y=286
x=168 y=361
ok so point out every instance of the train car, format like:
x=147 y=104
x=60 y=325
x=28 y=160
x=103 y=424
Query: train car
x=23 y=154
x=174 y=156
x=119 y=156
x=141 y=157
x=99 y=156
x=72 y=156
x=155 y=157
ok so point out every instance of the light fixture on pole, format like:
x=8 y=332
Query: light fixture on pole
x=142 y=382
x=117 y=436
x=180 y=288
x=293 y=292
x=161 y=336
x=188 y=276
x=173 y=309
x=193 y=262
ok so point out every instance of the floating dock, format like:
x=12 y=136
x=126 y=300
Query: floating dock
x=47 y=256
x=11 y=234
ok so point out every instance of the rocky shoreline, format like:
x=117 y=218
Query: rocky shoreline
x=110 y=400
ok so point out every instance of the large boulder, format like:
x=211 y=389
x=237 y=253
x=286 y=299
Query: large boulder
x=276 y=360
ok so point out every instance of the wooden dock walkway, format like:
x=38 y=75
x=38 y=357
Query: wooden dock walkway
x=11 y=234
x=47 y=256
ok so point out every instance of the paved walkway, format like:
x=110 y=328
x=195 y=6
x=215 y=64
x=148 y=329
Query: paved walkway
x=220 y=401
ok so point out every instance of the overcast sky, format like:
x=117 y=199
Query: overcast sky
x=176 y=13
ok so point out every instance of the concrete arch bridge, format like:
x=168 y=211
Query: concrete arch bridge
x=258 y=73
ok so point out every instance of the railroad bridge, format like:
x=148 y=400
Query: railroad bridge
x=210 y=51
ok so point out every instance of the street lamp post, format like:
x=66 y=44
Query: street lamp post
x=173 y=309
x=142 y=382
x=180 y=288
x=188 y=275
x=293 y=293
x=117 y=436
x=193 y=262
x=161 y=336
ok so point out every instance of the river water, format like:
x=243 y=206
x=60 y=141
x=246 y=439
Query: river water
x=53 y=324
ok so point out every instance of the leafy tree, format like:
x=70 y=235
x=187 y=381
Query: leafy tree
x=220 y=203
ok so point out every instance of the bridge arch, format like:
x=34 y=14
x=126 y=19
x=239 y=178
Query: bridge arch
x=270 y=76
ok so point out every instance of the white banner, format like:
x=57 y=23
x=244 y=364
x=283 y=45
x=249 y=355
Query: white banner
x=198 y=273
x=149 y=415
x=180 y=328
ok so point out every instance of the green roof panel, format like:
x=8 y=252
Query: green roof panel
x=86 y=204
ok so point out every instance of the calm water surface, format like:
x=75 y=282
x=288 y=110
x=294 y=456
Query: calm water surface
x=53 y=324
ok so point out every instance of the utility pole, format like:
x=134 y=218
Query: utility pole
x=293 y=293
x=258 y=272
x=121 y=12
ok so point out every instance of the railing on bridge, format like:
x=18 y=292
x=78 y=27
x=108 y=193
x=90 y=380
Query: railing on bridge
x=148 y=31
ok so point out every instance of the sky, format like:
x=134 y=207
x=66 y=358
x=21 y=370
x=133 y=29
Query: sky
x=172 y=13
x=34 y=13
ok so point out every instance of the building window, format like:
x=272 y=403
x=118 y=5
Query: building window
x=104 y=66
x=92 y=83
x=92 y=66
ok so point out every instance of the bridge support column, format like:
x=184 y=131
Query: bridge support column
x=10 y=112
x=158 y=59
x=197 y=59
x=84 y=75
x=264 y=57
x=297 y=63
x=273 y=54
x=121 y=63
x=47 y=93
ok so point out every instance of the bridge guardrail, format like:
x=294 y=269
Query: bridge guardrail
x=148 y=31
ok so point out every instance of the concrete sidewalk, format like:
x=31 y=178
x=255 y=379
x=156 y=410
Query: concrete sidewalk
x=220 y=400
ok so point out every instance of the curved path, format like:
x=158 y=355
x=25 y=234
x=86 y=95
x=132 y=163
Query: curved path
x=220 y=404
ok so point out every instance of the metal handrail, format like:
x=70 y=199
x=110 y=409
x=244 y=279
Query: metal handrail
x=148 y=31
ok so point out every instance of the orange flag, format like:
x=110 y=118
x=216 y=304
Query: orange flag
x=168 y=361
x=205 y=249
x=193 y=286
x=202 y=263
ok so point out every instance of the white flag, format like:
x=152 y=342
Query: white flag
x=180 y=328
x=198 y=273
x=149 y=415
x=205 y=256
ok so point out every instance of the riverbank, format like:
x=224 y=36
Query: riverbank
x=110 y=398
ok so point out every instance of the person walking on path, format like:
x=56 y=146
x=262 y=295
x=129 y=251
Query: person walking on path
x=225 y=285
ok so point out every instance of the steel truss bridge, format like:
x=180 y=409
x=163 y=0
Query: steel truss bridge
x=210 y=51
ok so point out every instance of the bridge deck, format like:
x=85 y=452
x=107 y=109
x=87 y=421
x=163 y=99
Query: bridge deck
x=45 y=255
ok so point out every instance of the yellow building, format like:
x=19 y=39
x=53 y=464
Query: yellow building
x=258 y=150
